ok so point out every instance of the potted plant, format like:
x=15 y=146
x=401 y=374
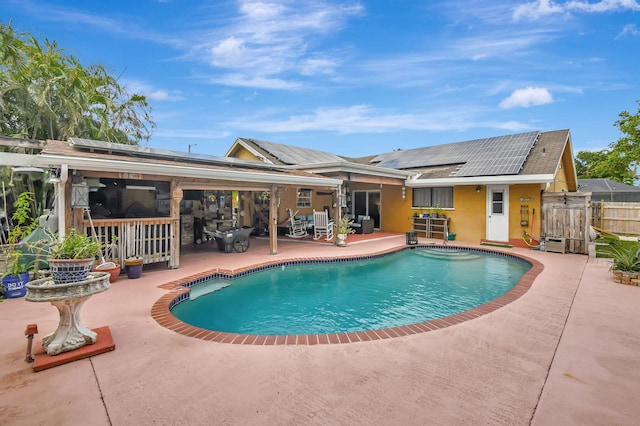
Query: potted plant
x=17 y=269
x=343 y=228
x=109 y=261
x=16 y=276
x=72 y=257
x=626 y=265
x=133 y=267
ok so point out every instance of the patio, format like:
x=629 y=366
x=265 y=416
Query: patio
x=566 y=352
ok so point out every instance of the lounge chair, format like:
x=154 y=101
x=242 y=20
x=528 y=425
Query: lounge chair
x=322 y=226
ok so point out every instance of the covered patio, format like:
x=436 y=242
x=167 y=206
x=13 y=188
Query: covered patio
x=563 y=353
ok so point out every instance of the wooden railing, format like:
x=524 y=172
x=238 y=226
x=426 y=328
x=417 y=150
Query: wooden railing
x=152 y=239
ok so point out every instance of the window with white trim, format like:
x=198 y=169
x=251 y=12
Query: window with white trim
x=303 y=198
x=432 y=197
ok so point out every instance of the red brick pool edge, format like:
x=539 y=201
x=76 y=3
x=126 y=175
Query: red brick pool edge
x=163 y=316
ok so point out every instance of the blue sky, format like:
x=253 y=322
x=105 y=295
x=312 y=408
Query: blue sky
x=357 y=77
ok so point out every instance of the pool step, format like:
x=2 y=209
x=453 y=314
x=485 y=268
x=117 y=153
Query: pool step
x=207 y=287
x=436 y=253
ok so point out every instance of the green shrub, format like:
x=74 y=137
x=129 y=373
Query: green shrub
x=625 y=259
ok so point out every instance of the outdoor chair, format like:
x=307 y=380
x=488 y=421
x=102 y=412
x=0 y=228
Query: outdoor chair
x=297 y=227
x=363 y=225
x=322 y=226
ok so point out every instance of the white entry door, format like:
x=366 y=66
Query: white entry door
x=498 y=213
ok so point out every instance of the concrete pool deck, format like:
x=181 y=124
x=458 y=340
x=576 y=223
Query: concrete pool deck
x=566 y=352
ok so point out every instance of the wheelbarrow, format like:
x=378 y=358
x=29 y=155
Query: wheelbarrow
x=232 y=239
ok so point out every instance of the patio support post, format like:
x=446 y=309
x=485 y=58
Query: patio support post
x=61 y=203
x=273 y=220
x=174 y=211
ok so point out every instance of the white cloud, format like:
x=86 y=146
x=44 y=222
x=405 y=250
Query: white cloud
x=541 y=8
x=629 y=30
x=152 y=93
x=536 y=10
x=525 y=98
x=256 y=82
x=269 y=39
x=366 y=119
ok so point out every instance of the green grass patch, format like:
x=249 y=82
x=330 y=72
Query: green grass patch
x=604 y=251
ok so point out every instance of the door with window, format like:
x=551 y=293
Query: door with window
x=498 y=212
x=367 y=203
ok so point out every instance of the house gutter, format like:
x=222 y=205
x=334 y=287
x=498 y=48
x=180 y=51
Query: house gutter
x=480 y=180
x=347 y=166
x=98 y=164
x=12 y=159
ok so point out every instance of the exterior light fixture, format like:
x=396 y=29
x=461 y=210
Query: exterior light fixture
x=404 y=193
x=54 y=176
x=478 y=189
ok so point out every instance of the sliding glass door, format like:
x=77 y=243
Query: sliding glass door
x=367 y=203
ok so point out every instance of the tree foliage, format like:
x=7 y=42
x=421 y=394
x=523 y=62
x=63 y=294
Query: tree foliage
x=620 y=161
x=46 y=94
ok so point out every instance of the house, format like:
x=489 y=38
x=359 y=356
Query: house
x=608 y=190
x=157 y=201
x=490 y=189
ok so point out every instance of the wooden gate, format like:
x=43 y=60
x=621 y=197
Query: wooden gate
x=567 y=215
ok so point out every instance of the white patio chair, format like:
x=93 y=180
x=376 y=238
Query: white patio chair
x=322 y=226
x=297 y=227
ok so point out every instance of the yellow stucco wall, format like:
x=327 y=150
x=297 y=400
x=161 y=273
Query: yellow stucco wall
x=560 y=182
x=468 y=217
x=395 y=212
x=242 y=154
x=519 y=197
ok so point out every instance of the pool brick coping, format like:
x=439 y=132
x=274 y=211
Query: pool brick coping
x=161 y=310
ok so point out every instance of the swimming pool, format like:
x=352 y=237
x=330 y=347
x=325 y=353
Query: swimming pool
x=407 y=287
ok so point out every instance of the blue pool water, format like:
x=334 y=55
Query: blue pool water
x=402 y=288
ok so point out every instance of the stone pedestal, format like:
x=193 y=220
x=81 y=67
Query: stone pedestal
x=68 y=299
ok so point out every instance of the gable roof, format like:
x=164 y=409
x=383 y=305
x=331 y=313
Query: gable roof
x=276 y=153
x=529 y=157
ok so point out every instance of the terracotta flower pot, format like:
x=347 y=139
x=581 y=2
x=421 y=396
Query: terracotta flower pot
x=114 y=272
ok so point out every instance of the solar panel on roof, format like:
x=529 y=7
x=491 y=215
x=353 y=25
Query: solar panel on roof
x=162 y=153
x=502 y=155
x=295 y=155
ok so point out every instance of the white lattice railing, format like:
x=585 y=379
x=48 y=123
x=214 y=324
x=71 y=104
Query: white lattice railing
x=152 y=239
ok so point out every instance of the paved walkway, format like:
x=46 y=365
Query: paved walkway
x=567 y=352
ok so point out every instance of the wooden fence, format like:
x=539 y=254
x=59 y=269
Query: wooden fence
x=620 y=218
x=567 y=215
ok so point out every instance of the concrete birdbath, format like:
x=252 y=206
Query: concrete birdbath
x=68 y=298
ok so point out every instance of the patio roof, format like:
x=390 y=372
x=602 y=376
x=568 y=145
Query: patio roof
x=55 y=153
